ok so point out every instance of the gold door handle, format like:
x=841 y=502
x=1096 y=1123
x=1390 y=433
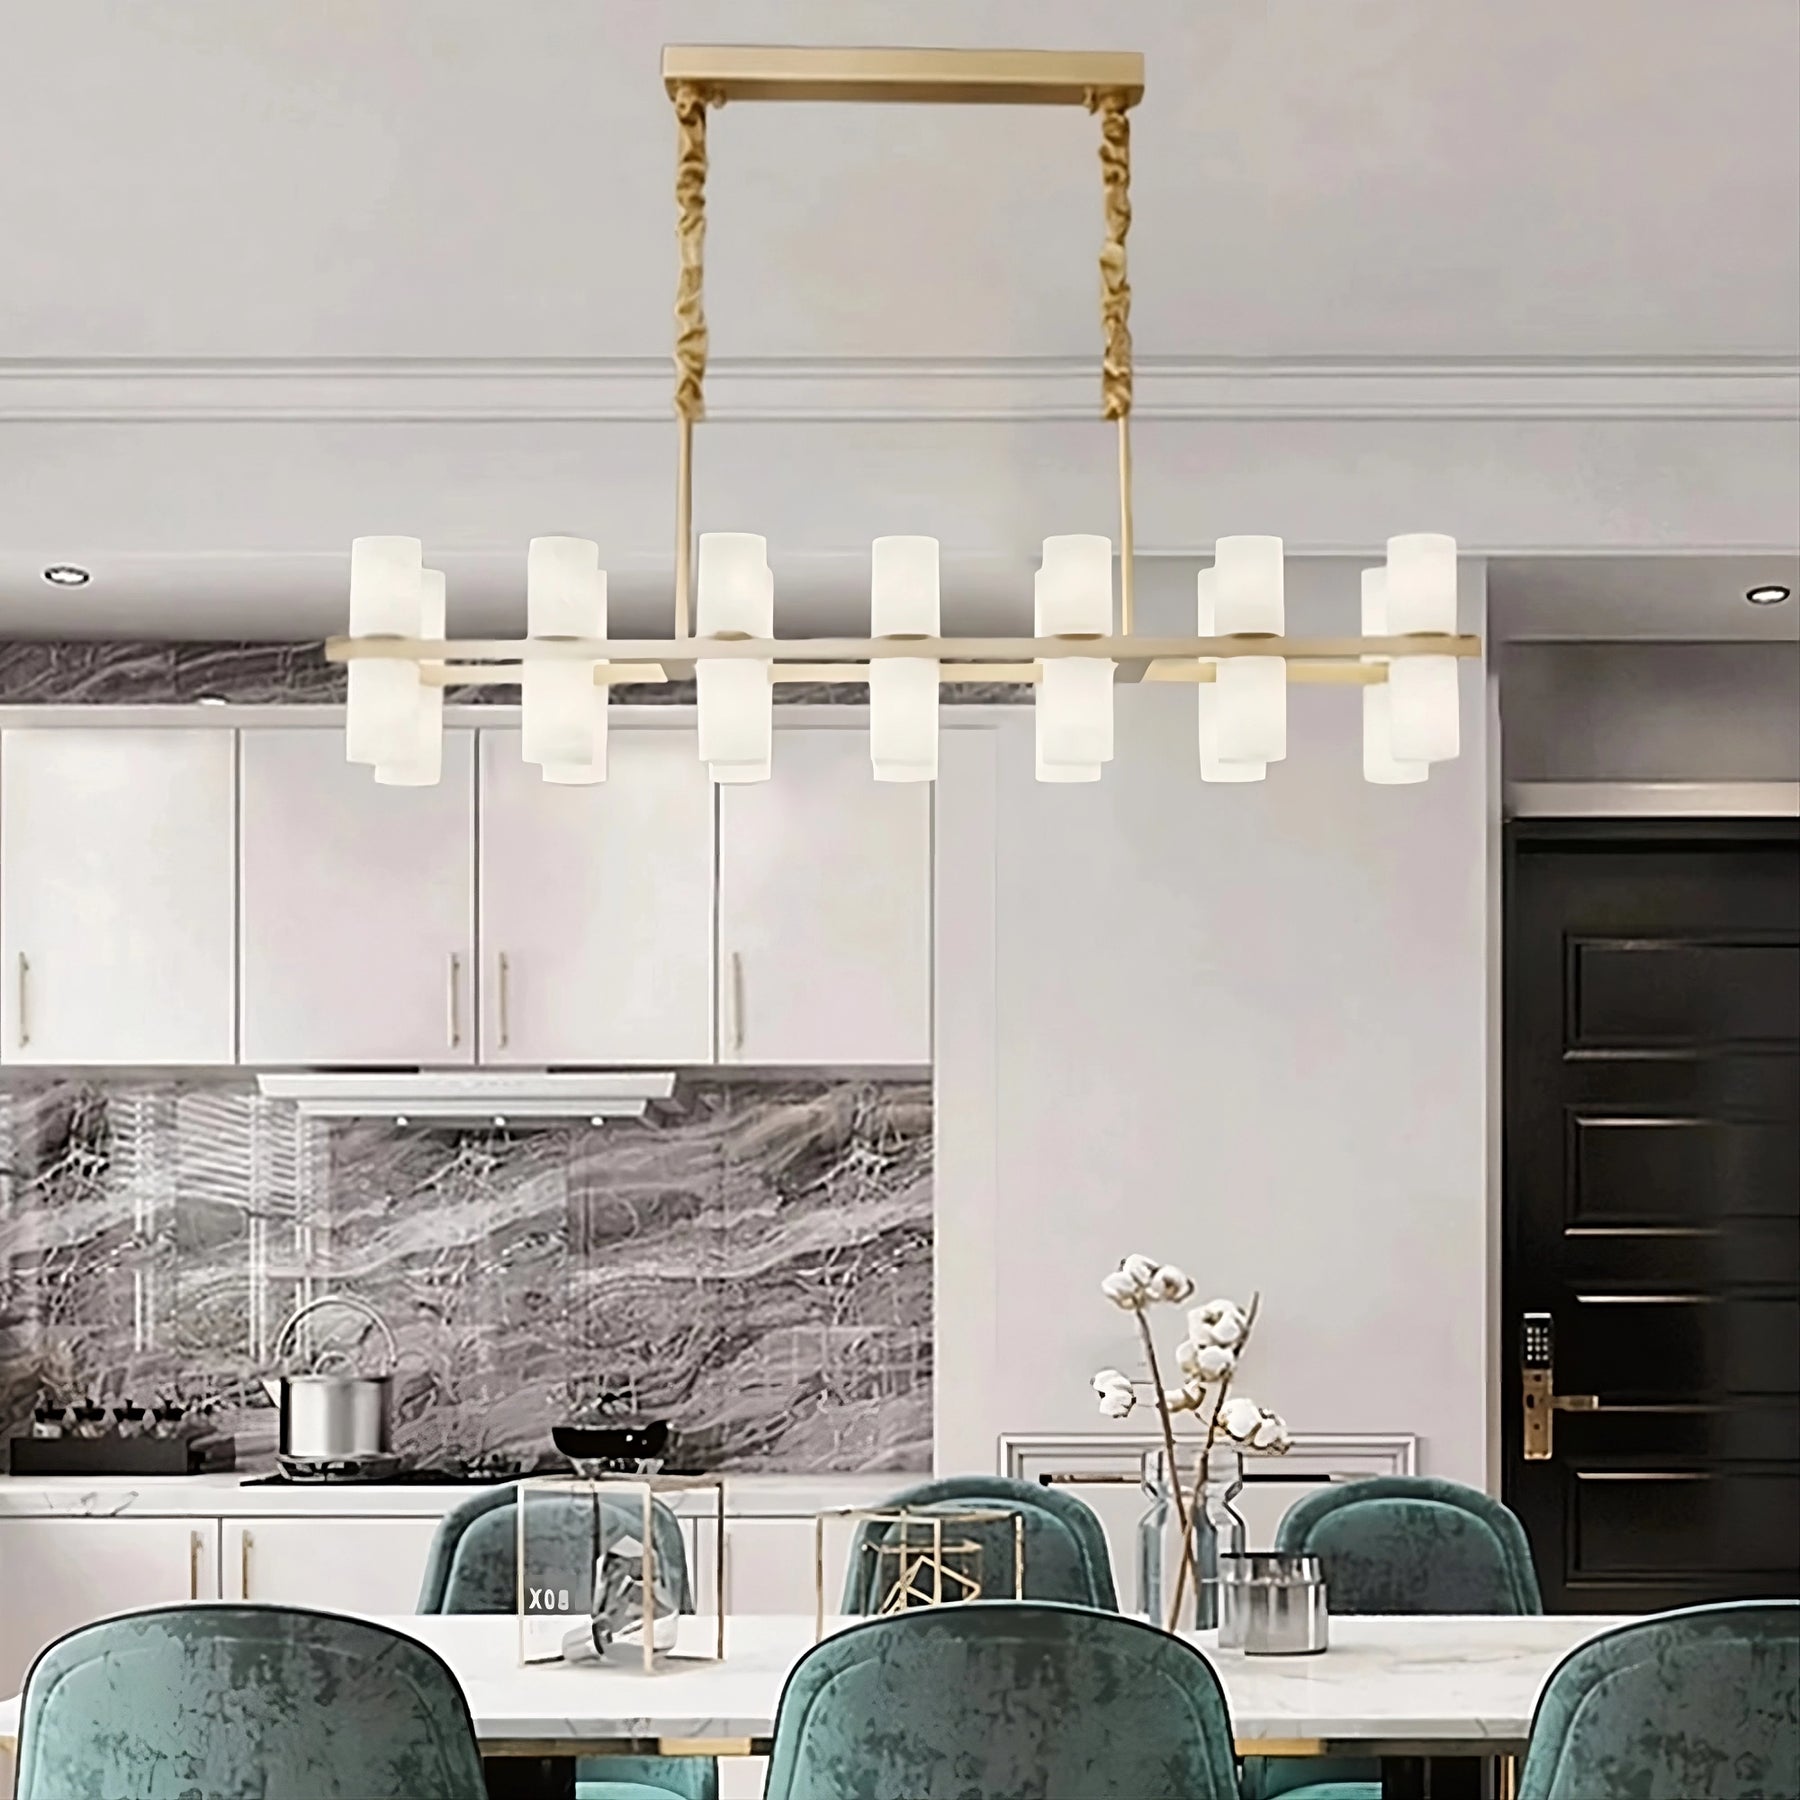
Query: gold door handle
x=505 y=971
x=193 y=1565
x=244 y=1565
x=455 y=1000
x=1542 y=1404
x=24 y=1013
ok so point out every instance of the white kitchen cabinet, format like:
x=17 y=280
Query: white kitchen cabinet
x=117 y=880
x=769 y=1565
x=56 y=1574
x=339 y=1564
x=824 y=910
x=357 y=907
x=597 y=907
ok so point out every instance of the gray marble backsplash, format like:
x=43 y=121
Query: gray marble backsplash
x=754 y=1260
x=121 y=672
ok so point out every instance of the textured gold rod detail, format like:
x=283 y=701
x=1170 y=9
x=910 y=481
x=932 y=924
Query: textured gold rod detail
x=690 y=240
x=1109 y=105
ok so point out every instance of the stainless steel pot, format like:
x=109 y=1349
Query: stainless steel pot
x=334 y=1417
x=1272 y=1604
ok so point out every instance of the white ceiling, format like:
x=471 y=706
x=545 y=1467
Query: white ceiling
x=277 y=274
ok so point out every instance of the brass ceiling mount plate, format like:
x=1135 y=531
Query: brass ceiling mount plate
x=940 y=77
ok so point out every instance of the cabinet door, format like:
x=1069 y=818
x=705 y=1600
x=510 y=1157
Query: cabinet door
x=597 y=906
x=769 y=1565
x=56 y=1574
x=358 y=907
x=824 y=910
x=340 y=1564
x=116 y=883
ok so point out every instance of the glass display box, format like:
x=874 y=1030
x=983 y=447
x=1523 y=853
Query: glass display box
x=603 y=1568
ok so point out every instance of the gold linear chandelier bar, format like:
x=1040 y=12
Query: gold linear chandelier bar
x=1022 y=674
x=860 y=650
x=946 y=77
x=480 y=674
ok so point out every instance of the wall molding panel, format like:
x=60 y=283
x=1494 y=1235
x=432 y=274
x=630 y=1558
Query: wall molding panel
x=627 y=390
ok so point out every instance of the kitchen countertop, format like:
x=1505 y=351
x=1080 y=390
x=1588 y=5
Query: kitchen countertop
x=768 y=1496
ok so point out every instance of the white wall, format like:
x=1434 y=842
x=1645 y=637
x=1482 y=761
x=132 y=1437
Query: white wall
x=1652 y=712
x=1244 y=1029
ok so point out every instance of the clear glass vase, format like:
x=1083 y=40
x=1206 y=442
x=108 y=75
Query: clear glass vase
x=1213 y=1523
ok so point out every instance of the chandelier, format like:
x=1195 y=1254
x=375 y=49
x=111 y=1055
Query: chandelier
x=1240 y=660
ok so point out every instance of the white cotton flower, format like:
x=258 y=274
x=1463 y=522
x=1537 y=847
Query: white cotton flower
x=1122 y=1291
x=1110 y=1378
x=1180 y=1400
x=1240 y=1418
x=1214 y=1364
x=1171 y=1284
x=1267 y=1433
x=1215 y=1310
x=1116 y=1403
x=1228 y=1332
x=1141 y=1269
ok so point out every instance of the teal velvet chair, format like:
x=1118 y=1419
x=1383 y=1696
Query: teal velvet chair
x=1065 y=1546
x=1703 y=1701
x=1001 y=1700
x=1414 y=1544
x=1398 y=1544
x=244 y=1703
x=472 y=1567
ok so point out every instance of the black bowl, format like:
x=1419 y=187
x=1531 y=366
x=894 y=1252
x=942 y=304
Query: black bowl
x=636 y=1449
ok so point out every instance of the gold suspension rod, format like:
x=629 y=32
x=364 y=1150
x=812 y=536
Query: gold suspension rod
x=1107 y=83
x=939 y=649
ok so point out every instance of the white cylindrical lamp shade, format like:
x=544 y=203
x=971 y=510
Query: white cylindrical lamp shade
x=1074 y=705
x=735 y=702
x=903 y=691
x=1206 y=699
x=562 y=711
x=1380 y=765
x=386 y=600
x=424 y=765
x=1250 y=695
x=1421 y=583
x=1424 y=707
x=1249 y=589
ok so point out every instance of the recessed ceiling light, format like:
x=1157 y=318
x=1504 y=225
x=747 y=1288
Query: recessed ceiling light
x=1771 y=593
x=67 y=575
x=212 y=700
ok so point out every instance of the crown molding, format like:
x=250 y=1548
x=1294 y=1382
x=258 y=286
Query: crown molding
x=636 y=390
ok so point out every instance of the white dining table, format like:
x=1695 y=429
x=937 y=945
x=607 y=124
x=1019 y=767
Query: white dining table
x=1395 y=1687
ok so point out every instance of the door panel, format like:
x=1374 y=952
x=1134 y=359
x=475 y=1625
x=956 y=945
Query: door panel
x=1652 y=998
x=117 y=891
x=597 y=906
x=825 y=910
x=358 y=907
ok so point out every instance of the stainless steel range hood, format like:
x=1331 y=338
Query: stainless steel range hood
x=472 y=1097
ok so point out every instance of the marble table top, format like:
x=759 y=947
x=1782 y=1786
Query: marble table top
x=1387 y=1684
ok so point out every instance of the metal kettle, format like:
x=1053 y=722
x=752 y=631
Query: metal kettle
x=329 y=1417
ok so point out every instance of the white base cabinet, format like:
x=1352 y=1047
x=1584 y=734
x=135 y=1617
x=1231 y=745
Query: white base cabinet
x=337 y=1564
x=56 y=1574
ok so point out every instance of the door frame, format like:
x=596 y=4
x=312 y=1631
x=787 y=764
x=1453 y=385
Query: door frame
x=1520 y=834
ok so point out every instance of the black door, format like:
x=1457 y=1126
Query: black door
x=1652 y=1194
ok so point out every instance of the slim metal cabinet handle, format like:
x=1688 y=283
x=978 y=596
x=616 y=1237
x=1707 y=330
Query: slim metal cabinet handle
x=193 y=1565
x=505 y=970
x=455 y=1001
x=24 y=1014
x=244 y=1564
x=736 y=986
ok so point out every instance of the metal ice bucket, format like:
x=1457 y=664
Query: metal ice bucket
x=1272 y=1604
